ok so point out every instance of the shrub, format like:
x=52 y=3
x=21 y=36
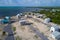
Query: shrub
x=35 y=36
x=55 y=17
x=14 y=28
x=18 y=38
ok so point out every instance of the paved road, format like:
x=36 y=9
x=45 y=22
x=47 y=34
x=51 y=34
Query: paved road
x=38 y=33
x=10 y=32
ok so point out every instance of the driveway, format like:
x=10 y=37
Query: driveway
x=9 y=31
x=38 y=33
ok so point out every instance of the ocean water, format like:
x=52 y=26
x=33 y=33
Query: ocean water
x=12 y=11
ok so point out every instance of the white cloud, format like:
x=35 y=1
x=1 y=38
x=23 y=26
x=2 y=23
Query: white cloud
x=30 y=2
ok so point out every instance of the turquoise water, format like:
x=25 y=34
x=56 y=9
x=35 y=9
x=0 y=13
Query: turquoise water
x=11 y=11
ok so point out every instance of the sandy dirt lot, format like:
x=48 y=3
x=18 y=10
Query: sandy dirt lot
x=25 y=32
x=41 y=27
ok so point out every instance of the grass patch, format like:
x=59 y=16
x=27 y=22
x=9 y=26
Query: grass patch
x=18 y=38
x=14 y=28
x=35 y=36
x=55 y=16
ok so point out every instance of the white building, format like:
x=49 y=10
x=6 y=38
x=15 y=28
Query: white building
x=53 y=10
x=17 y=15
x=54 y=28
x=55 y=35
x=7 y=17
x=21 y=14
x=29 y=16
x=40 y=16
x=22 y=22
x=25 y=15
x=47 y=20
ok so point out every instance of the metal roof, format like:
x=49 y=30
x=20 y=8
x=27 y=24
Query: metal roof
x=22 y=21
x=7 y=17
x=56 y=34
x=55 y=26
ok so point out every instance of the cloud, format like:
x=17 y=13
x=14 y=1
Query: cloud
x=30 y=2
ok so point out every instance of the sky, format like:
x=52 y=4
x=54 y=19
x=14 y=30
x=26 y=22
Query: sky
x=29 y=2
